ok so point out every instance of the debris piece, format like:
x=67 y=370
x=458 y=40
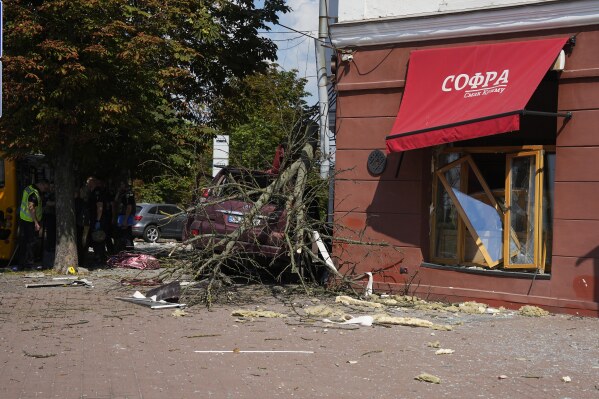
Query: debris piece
x=360 y=320
x=278 y=290
x=435 y=344
x=35 y=275
x=384 y=301
x=371 y=352
x=426 y=377
x=349 y=301
x=352 y=361
x=166 y=292
x=257 y=313
x=152 y=303
x=442 y=327
x=130 y=260
x=473 y=307
x=444 y=352
x=202 y=336
x=532 y=311
x=319 y=311
x=368 y=289
x=409 y=321
x=179 y=313
x=531 y=376
x=407 y=300
x=566 y=379
x=502 y=377
x=143 y=282
x=77 y=323
x=64 y=283
x=438 y=306
x=38 y=356
x=237 y=350
x=324 y=252
x=492 y=311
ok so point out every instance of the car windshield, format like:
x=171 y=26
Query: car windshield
x=137 y=209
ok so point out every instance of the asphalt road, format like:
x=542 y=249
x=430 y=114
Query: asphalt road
x=81 y=342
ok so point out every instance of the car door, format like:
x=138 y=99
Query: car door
x=178 y=222
x=170 y=226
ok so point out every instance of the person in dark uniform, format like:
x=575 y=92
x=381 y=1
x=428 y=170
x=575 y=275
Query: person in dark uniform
x=49 y=227
x=107 y=219
x=82 y=222
x=30 y=219
x=95 y=203
x=125 y=203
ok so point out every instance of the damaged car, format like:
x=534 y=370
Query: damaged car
x=226 y=204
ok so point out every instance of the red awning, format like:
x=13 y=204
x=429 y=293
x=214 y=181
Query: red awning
x=460 y=93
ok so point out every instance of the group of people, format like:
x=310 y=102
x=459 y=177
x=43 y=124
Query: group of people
x=103 y=219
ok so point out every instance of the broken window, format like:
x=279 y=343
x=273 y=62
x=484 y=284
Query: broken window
x=495 y=215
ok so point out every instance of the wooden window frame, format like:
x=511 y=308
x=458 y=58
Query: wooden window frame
x=510 y=152
x=467 y=160
x=538 y=258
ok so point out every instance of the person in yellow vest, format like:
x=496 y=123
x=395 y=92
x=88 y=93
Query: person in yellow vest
x=30 y=215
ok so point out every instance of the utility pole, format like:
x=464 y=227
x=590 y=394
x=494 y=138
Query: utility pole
x=323 y=95
x=323 y=101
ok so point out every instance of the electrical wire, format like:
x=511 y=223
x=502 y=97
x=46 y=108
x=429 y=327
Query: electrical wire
x=324 y=43
x=294 y=46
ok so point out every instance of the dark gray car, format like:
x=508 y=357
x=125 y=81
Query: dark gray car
x=154 y=221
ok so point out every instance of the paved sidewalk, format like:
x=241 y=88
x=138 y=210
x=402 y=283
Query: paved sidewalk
x=76 y=342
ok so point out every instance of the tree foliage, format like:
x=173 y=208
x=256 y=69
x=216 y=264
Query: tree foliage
x=263 y=109
x=97 y=83
x=115 y=72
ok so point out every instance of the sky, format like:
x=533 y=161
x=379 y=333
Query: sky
x=295 y=50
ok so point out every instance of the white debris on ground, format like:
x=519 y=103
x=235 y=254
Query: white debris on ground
x=379 y=311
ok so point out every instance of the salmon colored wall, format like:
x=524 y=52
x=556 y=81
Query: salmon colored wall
x=394 y=208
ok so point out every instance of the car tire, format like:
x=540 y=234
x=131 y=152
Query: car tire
x=151 y=233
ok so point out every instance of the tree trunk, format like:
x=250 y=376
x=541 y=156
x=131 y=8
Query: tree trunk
x=66 y=241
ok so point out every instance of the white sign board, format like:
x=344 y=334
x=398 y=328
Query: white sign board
x=220 y=153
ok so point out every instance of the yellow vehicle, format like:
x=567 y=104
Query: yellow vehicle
x=8 y=207
x=15 y=175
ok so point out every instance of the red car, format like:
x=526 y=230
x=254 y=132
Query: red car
x=225 y=205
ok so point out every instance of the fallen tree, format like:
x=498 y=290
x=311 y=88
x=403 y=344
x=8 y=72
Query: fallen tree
x=284 y=207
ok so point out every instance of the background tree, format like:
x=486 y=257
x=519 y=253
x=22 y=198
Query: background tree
x=85 y=78
x=259 y=112
x=263 y=109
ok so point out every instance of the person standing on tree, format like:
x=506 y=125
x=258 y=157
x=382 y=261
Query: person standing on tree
x=30 y=218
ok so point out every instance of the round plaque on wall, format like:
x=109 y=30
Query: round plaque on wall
x=377 y=160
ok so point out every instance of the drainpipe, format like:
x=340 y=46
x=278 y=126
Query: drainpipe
x=323 y=99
